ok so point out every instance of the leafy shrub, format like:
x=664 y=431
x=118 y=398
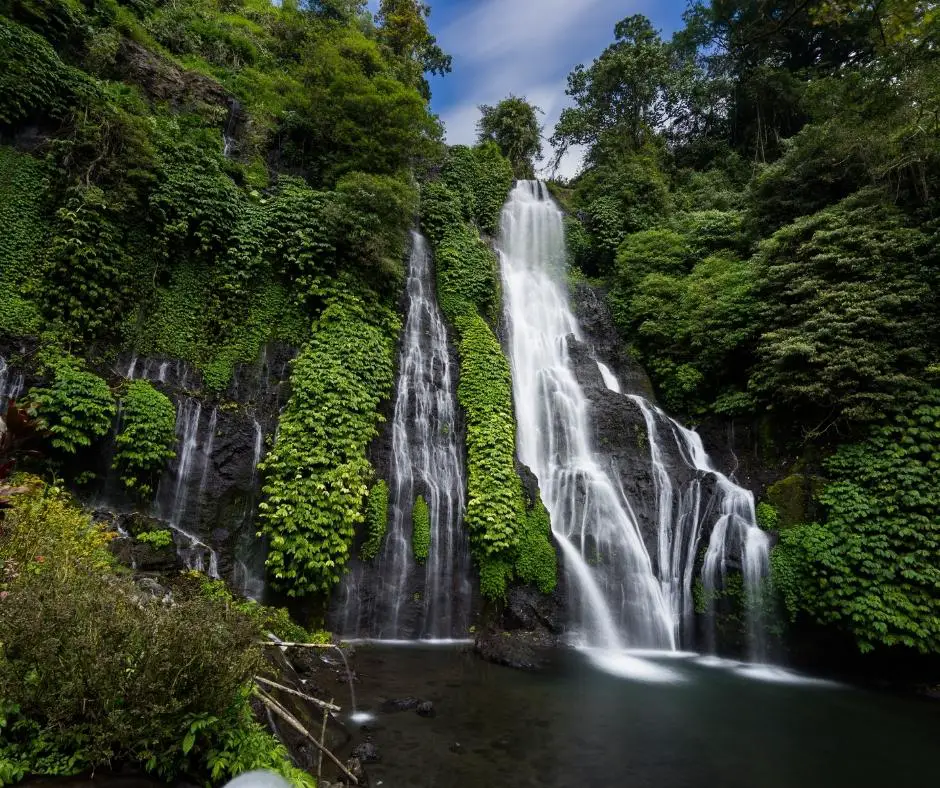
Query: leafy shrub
x=273 y=620
x=376 y=520
x=164 y=687
x=76 y=409
x=158 y=539
x=421 y=530
x=871 y=567
x=147 y=437
x=768 y=517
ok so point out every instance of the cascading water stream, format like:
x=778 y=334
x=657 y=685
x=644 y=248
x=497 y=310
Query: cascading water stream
x=628 y=596
x=622 y=602
x=193 y=458
x=380 y=600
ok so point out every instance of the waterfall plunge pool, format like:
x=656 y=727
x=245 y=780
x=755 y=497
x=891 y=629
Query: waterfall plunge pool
x=575 y=726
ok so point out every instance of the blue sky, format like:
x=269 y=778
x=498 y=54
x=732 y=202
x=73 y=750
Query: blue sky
x=525 y=47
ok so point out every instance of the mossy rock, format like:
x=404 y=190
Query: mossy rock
x=794 y=498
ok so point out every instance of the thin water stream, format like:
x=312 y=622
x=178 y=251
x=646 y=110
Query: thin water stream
x=395 y=596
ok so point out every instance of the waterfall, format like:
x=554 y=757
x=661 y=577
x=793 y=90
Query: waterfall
x=395 y=597
x=621 y=600
x=250 y=550
x=628 y=596
x=193 y=458
x=11 y=384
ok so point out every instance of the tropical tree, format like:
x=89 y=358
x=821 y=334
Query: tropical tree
x=514 y=126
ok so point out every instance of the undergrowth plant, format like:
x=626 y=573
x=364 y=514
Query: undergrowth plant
x=147 y=438
x=75 y=409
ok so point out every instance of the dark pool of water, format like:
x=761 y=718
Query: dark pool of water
x=575 y=726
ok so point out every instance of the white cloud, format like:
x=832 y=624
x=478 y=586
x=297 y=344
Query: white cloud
x=525 y=48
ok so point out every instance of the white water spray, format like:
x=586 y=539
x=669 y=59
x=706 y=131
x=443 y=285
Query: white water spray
x=622 y=602
x=627 y=596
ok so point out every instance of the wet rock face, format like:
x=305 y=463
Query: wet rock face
x=209 y=492
x=601 y=335
x=528 y=628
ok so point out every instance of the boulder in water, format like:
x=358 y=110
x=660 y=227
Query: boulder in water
x=367 y=752
x=426 y=709
x=400 y=704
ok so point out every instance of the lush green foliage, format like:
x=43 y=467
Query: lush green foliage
x=317 y=474
x=22 y=186
x=147 y=437
x=376 y=520
x=871 y=567
x=159 y=539
x=161 y=686
x=421 y=530
x=513 y=125
x=76 y=408
x=846 y=332
x=537 y=562
x=154 y=237
x=494 y=501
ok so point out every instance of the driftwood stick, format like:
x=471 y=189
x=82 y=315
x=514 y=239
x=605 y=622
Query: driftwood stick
x=326 y=715
x=316 y=701
x=284 y=644
x=289 y=718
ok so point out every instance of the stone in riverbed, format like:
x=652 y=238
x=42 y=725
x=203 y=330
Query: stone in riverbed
x=400 y=704
x=426 y=709
x=367 y=752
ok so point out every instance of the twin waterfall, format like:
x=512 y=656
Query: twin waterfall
x=631 y=565
x=629 y=591
x=397 y=598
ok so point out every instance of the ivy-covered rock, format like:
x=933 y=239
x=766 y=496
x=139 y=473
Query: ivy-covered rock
x=421 y=530
x=147 y=437
x=317 y=474
x=871 y=567
x=376 y=520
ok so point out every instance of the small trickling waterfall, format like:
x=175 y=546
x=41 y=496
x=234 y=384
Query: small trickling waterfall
x=395 y=597
x=630 y=593
x=250 y=550
x=183 y=484
x=11 y=384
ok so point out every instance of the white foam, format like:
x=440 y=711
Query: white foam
x=624 y=665
x=778 y=675
x=650 y=653
x=361 y=717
